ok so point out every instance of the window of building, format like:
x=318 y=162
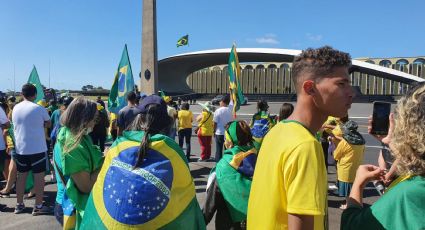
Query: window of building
x=420 y=62
x=385 y=63
x=402 y=64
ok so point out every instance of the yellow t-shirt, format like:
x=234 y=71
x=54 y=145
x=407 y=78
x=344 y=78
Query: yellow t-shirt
x=185 y=119
x=349 y=158
x=113 y=124
x=290 y=177
x=207 y=126
x=337 y=131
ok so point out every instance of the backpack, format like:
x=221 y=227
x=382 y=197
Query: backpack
x=261 y=124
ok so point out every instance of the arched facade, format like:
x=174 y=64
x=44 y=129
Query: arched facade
x=380 y=86
x=268 y=71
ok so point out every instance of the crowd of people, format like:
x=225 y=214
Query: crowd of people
x=270 y=172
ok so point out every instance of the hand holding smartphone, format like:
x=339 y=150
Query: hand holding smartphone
x=380 y=117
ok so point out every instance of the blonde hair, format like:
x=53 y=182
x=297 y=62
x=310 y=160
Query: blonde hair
x=408 y=138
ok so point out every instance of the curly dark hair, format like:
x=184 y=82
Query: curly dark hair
x=319 y=62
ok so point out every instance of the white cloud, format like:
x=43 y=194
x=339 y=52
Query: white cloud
x=267 y=39
x=314 y=37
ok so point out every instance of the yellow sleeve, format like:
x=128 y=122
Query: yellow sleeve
x=305 y=184
x=340 y=149
x=9 y=142
x=337 y=131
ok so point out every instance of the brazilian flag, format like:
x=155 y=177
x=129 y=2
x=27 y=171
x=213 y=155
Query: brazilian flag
x=123 y=84
x=35 y=80
x=234 y=74
x=183 y=41
x=160 y=194
x=234 y=177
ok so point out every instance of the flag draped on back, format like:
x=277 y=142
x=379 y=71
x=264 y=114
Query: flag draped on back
x=160 y=194
x=234 y=175
x=235 y=88
x=183 y=41
x=35 y=80
x=123 y=84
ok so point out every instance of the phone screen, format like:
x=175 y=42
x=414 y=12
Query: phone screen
x=380 y=119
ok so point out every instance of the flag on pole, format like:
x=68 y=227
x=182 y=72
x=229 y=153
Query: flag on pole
x=183 y=41
x=236 y=94
x=35 y=80
x=123 y=84
x=162 y=94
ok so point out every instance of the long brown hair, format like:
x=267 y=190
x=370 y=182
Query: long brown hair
x=78 y=115
x=154 y=121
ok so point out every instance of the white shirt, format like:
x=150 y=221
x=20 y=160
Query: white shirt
x=222 y=116
x=28 y=122
x=172 y=113
x=3 y=120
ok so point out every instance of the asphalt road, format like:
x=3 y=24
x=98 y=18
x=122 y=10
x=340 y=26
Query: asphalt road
x=200 y=171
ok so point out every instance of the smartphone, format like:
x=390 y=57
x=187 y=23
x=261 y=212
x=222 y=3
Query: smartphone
x=380 y=117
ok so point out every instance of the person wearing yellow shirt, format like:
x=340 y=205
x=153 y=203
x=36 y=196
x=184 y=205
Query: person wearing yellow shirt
x=324 y=135
x=349 y=155
x=205 y=130
x=289 y=187
x=113 y=129
x=185 y=117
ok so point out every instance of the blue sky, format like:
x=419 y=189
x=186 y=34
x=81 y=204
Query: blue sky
x=83 y=40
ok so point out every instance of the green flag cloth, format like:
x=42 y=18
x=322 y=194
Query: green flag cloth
x=183 y=41
x=234 y=74
x=84 y=157
x=234 y=174
x=160 y=194
x=162 y=94
x=123 y=84
x=35 y=80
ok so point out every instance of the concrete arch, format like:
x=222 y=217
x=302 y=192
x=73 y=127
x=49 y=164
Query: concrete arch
x=284 y=66
x=173 y=71
x=386 y=63
x=419 y=61
x=402 y=62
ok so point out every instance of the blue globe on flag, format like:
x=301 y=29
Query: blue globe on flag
x=136 y=196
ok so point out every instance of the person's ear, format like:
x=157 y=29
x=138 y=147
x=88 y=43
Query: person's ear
x=308 y=87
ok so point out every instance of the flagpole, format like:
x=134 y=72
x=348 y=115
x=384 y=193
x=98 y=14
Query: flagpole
x=49 y=72
x=14 y=77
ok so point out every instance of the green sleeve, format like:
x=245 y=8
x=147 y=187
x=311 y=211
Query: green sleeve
x=359 y=218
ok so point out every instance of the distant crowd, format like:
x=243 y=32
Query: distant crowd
x=130 y=170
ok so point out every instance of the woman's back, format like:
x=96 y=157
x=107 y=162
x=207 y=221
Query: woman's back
x=185 y=118
x=206 y=124
x=150 y=196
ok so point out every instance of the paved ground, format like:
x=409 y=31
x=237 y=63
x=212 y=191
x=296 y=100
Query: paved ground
x=200 y=172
